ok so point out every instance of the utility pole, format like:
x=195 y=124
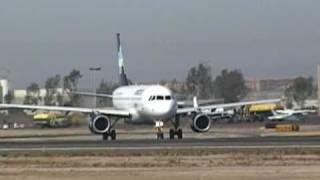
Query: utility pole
x=94 y=88
x=318 y=76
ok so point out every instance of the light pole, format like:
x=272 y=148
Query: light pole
x=94 y=88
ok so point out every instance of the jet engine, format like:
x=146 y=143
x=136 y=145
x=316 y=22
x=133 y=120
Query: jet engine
x=99 y=124
x=201 y=123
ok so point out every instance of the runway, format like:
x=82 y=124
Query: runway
x=150 y=144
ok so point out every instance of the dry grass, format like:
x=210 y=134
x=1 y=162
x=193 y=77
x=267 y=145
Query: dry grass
x=226 y=166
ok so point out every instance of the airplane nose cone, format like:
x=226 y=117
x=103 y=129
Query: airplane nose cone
x=163 y=110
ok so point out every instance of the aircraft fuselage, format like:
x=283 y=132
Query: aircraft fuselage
x=146 y=103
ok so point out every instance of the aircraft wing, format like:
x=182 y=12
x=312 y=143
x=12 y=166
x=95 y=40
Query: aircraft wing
x=226 y=105
x=106 y=111
x=189 y=103
x=91 y=94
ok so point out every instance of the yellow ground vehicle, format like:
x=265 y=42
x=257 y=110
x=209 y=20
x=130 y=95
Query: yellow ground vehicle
x=262 y=111
x=258 y=108
x=51 y=119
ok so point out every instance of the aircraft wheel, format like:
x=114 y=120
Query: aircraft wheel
x=105 y=136
x=171 y=134
x=160 y=136
x=113 y=134
x=180 y=134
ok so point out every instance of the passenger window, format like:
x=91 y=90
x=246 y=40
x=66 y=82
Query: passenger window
x=153 y=98
x=168 y=97
x=159 y=97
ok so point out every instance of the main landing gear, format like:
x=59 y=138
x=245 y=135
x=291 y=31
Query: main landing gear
x=176 y=131
x=111 y=132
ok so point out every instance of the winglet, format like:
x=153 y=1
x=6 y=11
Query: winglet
x=195 y=102
x=274 y=112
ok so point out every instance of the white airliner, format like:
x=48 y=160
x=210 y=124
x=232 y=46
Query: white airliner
x=141 y=104
x=290 y=114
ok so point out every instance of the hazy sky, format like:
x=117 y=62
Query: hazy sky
x=161 y=39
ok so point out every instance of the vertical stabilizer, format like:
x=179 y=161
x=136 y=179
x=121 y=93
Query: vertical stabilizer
x=123 y=81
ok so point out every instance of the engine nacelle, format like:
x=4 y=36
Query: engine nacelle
x=100 y=124
x=201 y=123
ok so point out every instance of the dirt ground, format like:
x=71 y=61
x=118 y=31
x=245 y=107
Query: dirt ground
x=229 y=166
x=223 y=166
x=219 y=173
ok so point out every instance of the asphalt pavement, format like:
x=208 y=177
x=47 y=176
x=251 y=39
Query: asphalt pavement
x=145 y=144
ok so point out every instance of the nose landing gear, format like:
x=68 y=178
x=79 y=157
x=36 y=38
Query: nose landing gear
x=159 y=129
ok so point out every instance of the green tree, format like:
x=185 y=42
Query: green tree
x=105 y=88
x=230 y=86
x=51 y=86
x=288 y=97
x=300 y=90
x=70 y=84
x=33 y=94
x=175 y=86
x=199 y=81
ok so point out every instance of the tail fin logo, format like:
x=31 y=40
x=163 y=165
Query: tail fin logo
x=123 y=81
x=120 y=58
x=120 y=55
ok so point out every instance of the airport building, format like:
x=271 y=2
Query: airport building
x=20 y=94
x=4 y=84
x=267 y=88
x=259 y=85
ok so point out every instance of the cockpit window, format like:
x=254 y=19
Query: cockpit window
x=152 y=98
x=159 y=97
